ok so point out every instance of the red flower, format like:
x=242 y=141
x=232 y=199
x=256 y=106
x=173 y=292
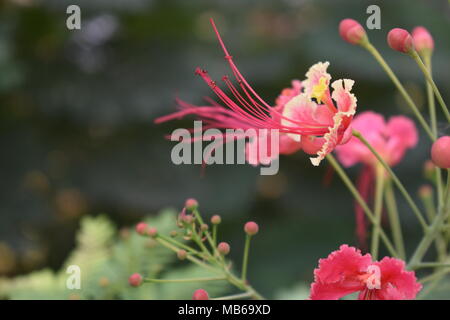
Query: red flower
x=346 y=271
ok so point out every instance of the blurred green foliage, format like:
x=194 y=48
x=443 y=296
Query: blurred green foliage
x=106 y=260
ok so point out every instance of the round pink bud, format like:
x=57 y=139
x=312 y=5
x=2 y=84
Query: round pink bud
x=400 y=40
x=440 y=152
x=191 y=204
x=152 y=232
x=141 y=228
x=200 y=294
x=181 y=254
x=425 y=191
x=352 y=31
x=216 y=219
x=423 y=41
x=135 y=280
x=224 y=248
x=251 y=228
x=188 y=219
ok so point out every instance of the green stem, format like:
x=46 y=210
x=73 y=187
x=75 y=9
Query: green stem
x=394 y=220
x=430 y=80
x=430 y=96
x=435 y=275
x=379 y=184
x=189 y=257
x=185 y=280
x=214 y=234
x=182 y=245
x=394 y=177
x=431 y=265
x=211 y=241
x=434 y=229
x=245 y=259
x=367 y=45
x=235 y=296
x=351 y=187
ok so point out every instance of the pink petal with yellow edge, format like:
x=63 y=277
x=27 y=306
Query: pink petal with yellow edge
x=346 y=103
x=314 y=74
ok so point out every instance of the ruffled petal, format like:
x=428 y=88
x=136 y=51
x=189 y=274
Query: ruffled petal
x=396 y=282
x=346 y=103
x=338 y=274
x=314 y=76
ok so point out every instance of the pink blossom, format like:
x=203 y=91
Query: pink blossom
x=390 y=139
x=307 y=115
x=347 y=271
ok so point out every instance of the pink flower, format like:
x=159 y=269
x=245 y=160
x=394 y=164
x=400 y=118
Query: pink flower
x=390 y=139
x=346 y=271
x=308 y=115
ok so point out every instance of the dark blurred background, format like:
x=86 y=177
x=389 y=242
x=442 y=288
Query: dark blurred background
x=77 y=109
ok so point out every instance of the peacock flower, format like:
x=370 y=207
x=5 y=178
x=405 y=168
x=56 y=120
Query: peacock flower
x=390 y=139
x=307 y=116
x=347 y=271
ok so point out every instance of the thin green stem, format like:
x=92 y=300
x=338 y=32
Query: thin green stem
x=430 y=96
x=394 y=177
x=429 y=205
x=351 y=187
x=211 y=241
x=434 y=229
x=367 y=45
x=235 y=296
x=430 y=80
x=394 y=220
x=245 y=258
x=431 y=265
x=189 y=257
x=433 y=120
x=378 y=206
x=214 y=234
x=181 y=245
x=184 y=280
x=436 y=275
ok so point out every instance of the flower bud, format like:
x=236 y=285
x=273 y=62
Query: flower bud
x=204 y=227
x=200 y=294
x=135 y=280
x=216 y=219
x=423 y=41
x=400 y=40
x=188 y=219
x=191 y=204
x=428 y=169
x=152 y=232
x=141 y=228
x=251 y=228
x=440 y=152
x=173 y=233
x=425 y=191
x=352 y=31
x=181 y=254
x=224 y=248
